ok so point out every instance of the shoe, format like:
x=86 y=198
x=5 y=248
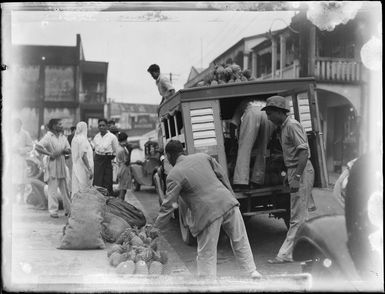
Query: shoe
x=256 y=275
x=54 y=215
x=277 y=260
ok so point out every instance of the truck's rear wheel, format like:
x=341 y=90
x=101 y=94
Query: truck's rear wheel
x=187 y=237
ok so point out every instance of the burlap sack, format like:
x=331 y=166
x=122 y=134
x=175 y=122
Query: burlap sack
x=112 y=226
x=36 y=195
x=84 y=227
x=131 y=214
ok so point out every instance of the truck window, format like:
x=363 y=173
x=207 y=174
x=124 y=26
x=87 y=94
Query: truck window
x=171 y=121
x=179 y=122
x=165 y=128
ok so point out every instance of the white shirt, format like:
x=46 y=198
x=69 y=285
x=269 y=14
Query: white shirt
x=105 y=144
x=164 y=86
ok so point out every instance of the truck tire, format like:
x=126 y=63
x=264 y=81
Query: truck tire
x=158 y=188
x=187 y=237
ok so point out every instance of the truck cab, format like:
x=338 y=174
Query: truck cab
x=201 y=119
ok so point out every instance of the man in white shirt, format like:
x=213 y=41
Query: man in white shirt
x=105 y=147
x=166 y=89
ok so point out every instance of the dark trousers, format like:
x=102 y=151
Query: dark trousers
x=103 y=172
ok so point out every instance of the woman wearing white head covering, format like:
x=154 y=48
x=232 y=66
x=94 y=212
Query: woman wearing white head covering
x=82 y=159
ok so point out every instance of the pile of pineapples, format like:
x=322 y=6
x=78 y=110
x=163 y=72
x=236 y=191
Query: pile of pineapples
x=137 y=251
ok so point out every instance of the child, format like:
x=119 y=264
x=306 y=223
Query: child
x=123 y=160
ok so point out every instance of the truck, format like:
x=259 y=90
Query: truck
x=201 y=119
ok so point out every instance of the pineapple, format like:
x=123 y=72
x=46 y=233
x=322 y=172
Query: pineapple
x=114 y=248
x=163 y=256
x=141 y=268
x=156 y=268
x=147 y=254
x=136 y=241
x=154 y=233
x=154 y=244
x=142 y=236
x=126 y=267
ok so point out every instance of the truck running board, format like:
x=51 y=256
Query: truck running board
x=251 y=213
x=262 y=192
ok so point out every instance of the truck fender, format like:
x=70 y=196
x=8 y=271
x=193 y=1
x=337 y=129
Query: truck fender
x=326 y=235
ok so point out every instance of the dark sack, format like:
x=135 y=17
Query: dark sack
x=37 y=197
x=84 y=227
x=132 y=215
x=112 y=226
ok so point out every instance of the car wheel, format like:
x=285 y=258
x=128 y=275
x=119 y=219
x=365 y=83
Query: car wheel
x=135 y=185
x=158 y=188
x=187 y=237
x=321 y=270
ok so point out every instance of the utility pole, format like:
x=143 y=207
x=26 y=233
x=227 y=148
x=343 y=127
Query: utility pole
x=173 y=75
x=201 y=53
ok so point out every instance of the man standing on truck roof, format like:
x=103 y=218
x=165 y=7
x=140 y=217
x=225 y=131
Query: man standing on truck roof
x=166 y=89
x=254 y=131
x=300 y=172
x=204 y=187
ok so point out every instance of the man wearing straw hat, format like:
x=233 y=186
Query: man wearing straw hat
x=300 y=172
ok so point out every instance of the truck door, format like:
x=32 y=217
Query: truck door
x=304 y=108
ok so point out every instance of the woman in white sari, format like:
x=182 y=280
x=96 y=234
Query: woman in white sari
x=82 y=159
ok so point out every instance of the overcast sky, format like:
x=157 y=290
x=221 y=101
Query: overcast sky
x=132 y=40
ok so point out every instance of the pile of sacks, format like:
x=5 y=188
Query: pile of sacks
x=226 y=74
x=97 y=218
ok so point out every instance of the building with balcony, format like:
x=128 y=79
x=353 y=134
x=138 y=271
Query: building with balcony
x=57 y=82
x=332 y=58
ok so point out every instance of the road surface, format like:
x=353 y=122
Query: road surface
x=32 y=262
x=265 y=236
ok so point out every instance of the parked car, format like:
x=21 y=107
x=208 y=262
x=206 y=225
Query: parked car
x=142 y=172
x=200 y=118
x=341 y=249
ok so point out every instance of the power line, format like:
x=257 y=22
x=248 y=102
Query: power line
x=223 y=32
x=222 y=35
x=239 y=30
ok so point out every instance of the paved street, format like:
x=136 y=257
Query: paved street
x=33 y=262
x=265 y=235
